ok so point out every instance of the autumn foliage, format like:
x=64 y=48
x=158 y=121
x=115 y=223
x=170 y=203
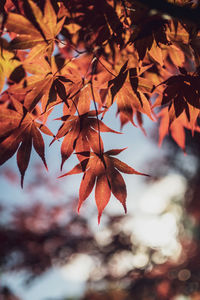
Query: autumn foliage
x=82 y=56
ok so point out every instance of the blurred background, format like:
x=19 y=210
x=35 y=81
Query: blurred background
x=50 y=252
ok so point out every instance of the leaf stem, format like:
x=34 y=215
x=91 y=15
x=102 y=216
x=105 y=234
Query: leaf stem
x=105 y=67
x=95 y=104
x=71 y=46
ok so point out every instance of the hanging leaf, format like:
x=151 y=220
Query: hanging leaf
x=102 y=170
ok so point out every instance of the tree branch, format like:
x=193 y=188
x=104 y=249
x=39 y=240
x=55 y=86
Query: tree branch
x=182 y=13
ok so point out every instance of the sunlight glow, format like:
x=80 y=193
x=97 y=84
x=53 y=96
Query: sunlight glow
x=79 y=269
x=121 y=263
x=158 y=196
x=155 y=224
x=156 y=231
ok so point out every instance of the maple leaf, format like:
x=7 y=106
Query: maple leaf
x=81 y=133
x=103 y=20
x=103 y=171
x=129 y=93
x=18 y=131
x=35 y=88
x=114 y=25
x=45 y=85
x=107 y=51
x=37 y=32
x=182 y=94
x=81 y=92
x=148 y=31
x=8 y=61
x=52 y=86
x=176 y=129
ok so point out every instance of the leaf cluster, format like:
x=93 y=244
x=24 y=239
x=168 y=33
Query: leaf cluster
x=82 y=56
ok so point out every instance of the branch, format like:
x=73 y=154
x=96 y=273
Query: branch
x=182 y=13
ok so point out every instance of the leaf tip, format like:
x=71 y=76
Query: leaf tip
x=22 y=181
x=147 y=175
x=62 y=175
x=79 y=205
x=62 y=163
x=45 y=164
x=99 y=218
x=78 y=208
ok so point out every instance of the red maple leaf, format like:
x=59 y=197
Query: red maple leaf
x=128 y=89
x=181 y=94
x=176 y=129
x=103 y=172
x=18 y=131
x=81 y=133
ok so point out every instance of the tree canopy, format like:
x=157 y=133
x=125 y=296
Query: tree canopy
x=83 y=56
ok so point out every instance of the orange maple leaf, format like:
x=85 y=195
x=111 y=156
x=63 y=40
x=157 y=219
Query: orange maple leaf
x=128 y=89
x=37 y=32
